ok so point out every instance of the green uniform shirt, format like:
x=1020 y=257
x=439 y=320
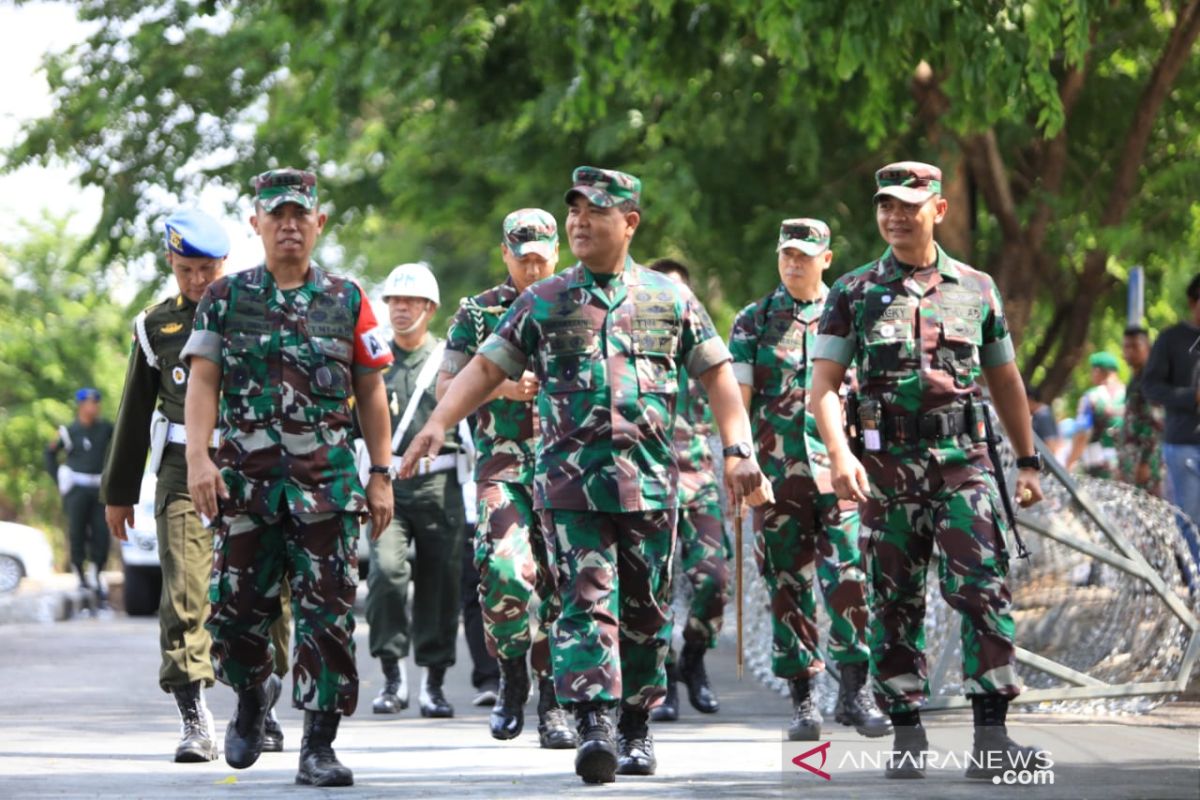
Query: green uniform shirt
x=155 y=378
x=608 y=359
x=401 y=381
x=506 y=431
x=288 y=358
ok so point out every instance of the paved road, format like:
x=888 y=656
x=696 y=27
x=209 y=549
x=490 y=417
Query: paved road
x=81 y=716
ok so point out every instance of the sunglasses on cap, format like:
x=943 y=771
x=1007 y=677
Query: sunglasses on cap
x=806 y=233
x=906 y=178
x=526 y=234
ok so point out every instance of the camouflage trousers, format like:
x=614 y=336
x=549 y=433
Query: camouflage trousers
x=915 y=505
x=185 y=549
x=703 y=549
x=317 y=553
x=614 y=582
x=510 y=554
x=807 y=537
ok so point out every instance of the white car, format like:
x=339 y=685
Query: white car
x=139 y=553
x=24 y=553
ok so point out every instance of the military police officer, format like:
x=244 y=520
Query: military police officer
x=284 y=347
x=920 y=326
x=510 y=548
x=808 y=531
x=85 y=442
x=429 y=512
x=606 y=339
x=701 y=545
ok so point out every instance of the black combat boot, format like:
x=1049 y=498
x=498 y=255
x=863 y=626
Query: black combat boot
x=272 y=730
x=856 y=703
x=244 y=736
x=693 y=674
x=596 y=754
x=806 y=719
x=994 y=752
x=554 y=732
x=907 y=761
x=196 y=743
x=635 y=746
x=433 y=699
x=319 y=765
x=669 y=710
x=393 y=697
x=508 y=715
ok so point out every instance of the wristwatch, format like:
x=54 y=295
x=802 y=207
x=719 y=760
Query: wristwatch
x=376 y=469
x=1031 y=462
x=739 y=449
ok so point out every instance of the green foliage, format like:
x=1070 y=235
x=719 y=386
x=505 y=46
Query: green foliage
x=428 y=121
x=59 y=330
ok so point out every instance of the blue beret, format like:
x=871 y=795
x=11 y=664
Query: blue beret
x=194 y=234
x=87 y=393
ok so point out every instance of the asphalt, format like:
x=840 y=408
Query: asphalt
x=83 y=717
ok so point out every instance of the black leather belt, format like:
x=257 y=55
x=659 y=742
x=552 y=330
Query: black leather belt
x=933 y=425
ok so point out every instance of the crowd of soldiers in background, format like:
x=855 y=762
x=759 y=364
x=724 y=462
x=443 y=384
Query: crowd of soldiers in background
x=499 y=547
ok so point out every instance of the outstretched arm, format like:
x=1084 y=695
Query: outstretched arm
x=470 y=389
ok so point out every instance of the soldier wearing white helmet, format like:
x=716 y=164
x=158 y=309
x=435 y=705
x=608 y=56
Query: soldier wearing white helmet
x=429 y=510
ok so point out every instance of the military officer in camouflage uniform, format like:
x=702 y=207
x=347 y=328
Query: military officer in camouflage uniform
x=808 y=532
x=702 y=545
x=1098 y=420
x=151 y=420
x=429 y=512
x=85 y=442
x=284 y=347
x=510 y=549
x=606 y=339
x=1139 y=445
x=920 y=327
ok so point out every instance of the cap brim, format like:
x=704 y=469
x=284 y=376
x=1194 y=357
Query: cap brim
x=543 y=249
x=905 y=194
x=806 y=247
x=597 y=197
x=272 y=203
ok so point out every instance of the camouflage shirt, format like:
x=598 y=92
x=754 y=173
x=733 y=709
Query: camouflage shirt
x=506 y=430
x=919 y=340
x=155 y=378
x=1140 y=435
x=609 y=364
x=693 y=427
x=288 y=358
x=772 y=343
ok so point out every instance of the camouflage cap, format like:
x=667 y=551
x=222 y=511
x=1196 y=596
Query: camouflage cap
x=531 y=230
x=604 y=187
x=908 y=182
x=809 y=236
x=275 y=187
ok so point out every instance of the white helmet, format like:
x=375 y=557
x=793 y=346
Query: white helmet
x=412 y=280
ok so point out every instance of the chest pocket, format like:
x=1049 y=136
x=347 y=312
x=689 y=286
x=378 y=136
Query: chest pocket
x=654 y=359
x=962 y=333
x=330 y=366
x=568 y=360
x=888 y=343
x=779 y=359
x=655 y=339
x=245 y=368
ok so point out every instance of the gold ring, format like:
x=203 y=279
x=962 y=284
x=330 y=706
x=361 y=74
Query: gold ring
x=1026 y=494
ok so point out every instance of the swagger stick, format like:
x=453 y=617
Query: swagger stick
x=739 y=520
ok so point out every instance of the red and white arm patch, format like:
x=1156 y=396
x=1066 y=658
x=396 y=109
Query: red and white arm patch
x=371 y=348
